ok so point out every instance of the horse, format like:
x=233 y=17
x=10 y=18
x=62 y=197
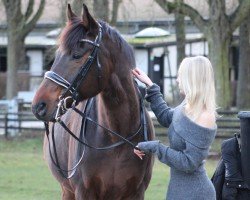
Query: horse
x=93 y=114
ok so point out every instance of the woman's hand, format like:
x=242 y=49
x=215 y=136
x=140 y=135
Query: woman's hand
x=139 y=74
x=139 y=153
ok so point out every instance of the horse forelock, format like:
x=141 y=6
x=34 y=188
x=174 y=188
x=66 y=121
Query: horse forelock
x=70 y=36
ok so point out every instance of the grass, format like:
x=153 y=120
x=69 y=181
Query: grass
x=24 y=174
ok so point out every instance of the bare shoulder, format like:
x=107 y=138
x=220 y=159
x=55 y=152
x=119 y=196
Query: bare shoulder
x=207 y=119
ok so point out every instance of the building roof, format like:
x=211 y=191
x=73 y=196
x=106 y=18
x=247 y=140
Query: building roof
x=152 y=32
x=32 y=41
x=147 y=43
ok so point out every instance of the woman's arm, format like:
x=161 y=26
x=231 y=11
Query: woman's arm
x=187 y=160
x=162 y=111
x=158 y=105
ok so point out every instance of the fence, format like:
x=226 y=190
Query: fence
x=12 y=124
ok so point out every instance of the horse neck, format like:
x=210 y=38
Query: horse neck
x=120 y=97
x=121 y=104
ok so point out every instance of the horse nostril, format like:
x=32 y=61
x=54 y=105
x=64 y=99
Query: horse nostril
x=41 y=109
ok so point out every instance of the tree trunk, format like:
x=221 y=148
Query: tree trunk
x=115 y=8
x=180 y=37
x=77 y=6
x=15 y=60
x=19 y=25
x=180 y=46
x=101 y=9
x=243 y=87
x=219 y=56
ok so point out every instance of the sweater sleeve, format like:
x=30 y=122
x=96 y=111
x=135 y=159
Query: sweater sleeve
x=162 y=111
x=187 y=160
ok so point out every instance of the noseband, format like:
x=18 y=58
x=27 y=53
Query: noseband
x=80 y=76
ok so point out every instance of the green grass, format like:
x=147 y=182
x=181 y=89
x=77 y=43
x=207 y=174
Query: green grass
x=158 y=184
x=25 y=176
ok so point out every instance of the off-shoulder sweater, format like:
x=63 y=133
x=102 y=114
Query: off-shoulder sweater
x=189 y=147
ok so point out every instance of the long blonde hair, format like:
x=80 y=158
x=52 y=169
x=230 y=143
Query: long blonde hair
x=196 y=79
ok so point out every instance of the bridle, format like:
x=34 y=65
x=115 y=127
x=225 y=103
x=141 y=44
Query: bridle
x=72 y=88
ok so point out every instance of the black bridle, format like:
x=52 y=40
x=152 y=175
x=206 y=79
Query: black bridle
x=72 y=88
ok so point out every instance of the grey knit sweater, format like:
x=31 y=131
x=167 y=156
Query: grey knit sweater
x=189 y=147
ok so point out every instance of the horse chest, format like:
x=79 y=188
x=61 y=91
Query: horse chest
x=107 y=176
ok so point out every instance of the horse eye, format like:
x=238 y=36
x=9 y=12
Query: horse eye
x=76 y=56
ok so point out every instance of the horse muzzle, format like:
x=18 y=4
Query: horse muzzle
x=40 y=110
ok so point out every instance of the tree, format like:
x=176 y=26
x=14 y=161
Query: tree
x=115 y=7
x=77 y=6
x=18 y=27
x=217 y=29
x=180 y=45
x=102 y=11
x=243 y=87
x=180 y=36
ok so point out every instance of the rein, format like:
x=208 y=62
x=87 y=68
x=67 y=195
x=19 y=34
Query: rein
x=81 y=139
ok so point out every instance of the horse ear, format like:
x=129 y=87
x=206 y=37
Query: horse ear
x=70 y=13
x=88 y=21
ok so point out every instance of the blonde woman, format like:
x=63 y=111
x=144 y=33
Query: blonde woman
x=192 y=129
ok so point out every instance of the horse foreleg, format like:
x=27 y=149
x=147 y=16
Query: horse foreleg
x=67 y=195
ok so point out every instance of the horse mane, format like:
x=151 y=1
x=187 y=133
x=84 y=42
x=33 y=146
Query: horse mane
x=70 y=36
x=121 y=44
x=74 y=31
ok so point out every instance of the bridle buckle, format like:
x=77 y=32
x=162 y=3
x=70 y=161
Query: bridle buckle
x=62 y=106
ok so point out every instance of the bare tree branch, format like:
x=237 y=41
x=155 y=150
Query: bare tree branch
x=115 y=8
x=184 y=9
x=29 y=10
x=223 y=5
x=12 y=9
x=217 y=11
x=5 y=2
x=29 y=25
x=208 y=2
x=240 y=13
x=76 y=6
x=101 y=9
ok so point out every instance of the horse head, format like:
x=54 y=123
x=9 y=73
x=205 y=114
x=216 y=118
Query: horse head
x=81 y=68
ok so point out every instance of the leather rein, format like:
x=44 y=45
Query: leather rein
x=72 y=88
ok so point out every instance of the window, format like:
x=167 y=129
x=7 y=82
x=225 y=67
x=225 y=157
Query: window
x=3 y=59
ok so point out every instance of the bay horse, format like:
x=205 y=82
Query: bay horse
x=93 y=114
